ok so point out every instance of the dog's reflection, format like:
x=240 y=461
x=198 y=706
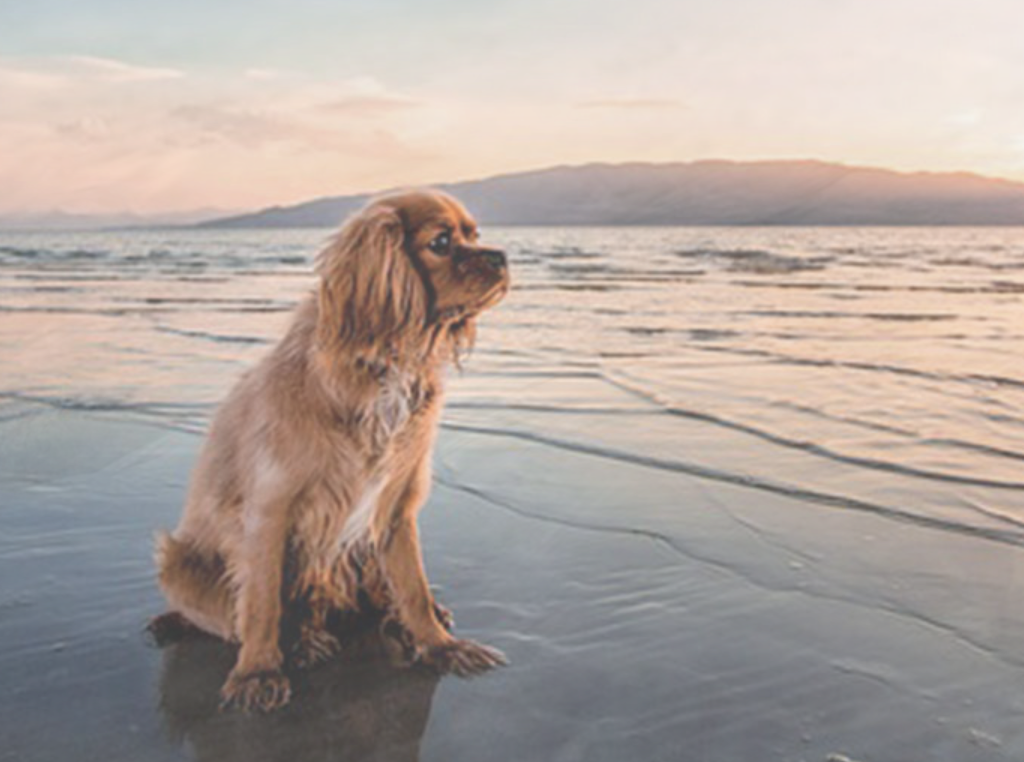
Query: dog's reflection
x=360 y=705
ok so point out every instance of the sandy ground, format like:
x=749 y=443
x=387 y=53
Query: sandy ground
x=647 y=614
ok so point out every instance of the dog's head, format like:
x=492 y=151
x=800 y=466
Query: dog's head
x=407 y=275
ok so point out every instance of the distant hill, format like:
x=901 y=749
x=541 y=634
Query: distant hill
x=60 y=220
x=703 y=193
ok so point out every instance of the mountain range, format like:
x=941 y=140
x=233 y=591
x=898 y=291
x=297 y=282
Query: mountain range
x=61 y=220
x=701 y=193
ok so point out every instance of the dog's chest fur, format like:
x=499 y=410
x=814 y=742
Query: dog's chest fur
x=395 y=402
x=339 y=513
x=399 y=396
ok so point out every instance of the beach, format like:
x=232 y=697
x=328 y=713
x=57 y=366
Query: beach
x=718 y=494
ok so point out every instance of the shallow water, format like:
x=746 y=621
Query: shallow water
x=719 y=493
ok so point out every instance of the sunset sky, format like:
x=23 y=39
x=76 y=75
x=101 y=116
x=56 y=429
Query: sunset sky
x=112 y=105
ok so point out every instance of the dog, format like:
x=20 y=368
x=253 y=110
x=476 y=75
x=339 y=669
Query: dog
x=306 y=491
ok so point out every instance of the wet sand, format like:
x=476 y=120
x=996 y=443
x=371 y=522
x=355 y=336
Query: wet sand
x=647 y=614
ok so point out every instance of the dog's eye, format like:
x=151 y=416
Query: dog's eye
x=440 y=244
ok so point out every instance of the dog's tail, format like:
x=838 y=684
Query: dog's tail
x=196 y=585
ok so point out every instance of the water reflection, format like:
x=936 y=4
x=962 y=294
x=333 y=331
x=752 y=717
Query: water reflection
x=361 y=705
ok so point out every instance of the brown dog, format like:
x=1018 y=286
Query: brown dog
x=307 y=488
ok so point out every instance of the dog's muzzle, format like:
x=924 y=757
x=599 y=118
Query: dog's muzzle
x=495 y=258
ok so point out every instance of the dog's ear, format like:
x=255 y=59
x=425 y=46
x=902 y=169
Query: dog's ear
x=371 y=297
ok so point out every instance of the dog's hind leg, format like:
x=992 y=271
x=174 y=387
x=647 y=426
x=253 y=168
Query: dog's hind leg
x=197 y=589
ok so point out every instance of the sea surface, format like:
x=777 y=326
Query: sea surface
x=669 y=439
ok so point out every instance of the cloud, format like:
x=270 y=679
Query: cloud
x=85 y=128
x=184 y=139
x=15 y=77
x=632 y=104
x=236 y=124
x=293 y=112
x=360 y=97
x=248 y=127
x=110 y=70
x=369 y=104
x=48 y=74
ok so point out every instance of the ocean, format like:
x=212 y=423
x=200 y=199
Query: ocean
x=878 y=368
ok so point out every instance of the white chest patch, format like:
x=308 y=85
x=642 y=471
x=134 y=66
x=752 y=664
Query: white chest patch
x=357 y=525
x=392 y=408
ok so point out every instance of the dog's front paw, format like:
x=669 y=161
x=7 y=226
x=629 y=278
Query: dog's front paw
x=464 y=658
x=314 y=646
x=262 y=691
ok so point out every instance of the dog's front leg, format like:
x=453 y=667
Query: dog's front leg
x=403 y=567
x=315 y=643
x=256 y=682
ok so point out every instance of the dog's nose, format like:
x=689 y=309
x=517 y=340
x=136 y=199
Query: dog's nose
x=495 y=258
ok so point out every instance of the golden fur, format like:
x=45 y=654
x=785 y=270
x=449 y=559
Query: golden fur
x=307 y=488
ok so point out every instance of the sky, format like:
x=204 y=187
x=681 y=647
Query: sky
x=135 y=105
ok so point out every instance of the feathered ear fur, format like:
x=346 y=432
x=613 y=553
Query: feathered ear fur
x=371 y=300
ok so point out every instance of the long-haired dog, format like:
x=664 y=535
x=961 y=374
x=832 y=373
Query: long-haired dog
x=306 y=491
